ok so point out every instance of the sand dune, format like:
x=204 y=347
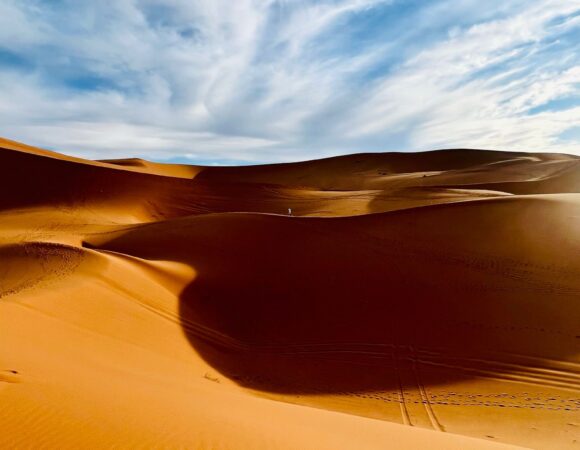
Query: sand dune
x=410 y=301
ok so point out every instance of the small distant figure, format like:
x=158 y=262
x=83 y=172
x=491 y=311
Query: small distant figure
x=289 y=211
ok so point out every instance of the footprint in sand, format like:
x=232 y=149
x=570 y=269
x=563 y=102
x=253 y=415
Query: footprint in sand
x=9 y=376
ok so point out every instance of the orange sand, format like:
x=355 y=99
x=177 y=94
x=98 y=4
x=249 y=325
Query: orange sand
x=427 y=300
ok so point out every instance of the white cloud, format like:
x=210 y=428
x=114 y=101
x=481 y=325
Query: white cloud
x=271 y=80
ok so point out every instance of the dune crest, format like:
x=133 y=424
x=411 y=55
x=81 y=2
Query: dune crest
x=408 y=299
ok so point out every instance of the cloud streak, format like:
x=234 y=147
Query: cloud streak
x=264 y=80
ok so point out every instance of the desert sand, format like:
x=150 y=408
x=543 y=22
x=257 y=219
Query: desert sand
x=411 y=300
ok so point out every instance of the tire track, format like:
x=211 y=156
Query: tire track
x=425 y=398
x=401 y=393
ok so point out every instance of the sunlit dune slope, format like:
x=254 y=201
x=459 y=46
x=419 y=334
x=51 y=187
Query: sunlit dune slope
x=408 y=301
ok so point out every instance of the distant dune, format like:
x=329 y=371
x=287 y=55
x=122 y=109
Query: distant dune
x=370 y=301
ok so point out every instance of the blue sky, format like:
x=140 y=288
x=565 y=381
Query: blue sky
x=250 y=81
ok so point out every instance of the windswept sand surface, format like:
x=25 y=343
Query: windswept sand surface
x=411 y=301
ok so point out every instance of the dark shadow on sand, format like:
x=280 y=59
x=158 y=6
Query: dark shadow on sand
x=360 y=304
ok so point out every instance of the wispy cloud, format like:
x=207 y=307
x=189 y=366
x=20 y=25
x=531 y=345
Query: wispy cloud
x=277 y=80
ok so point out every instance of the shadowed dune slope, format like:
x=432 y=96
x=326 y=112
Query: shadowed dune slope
x=408 y=300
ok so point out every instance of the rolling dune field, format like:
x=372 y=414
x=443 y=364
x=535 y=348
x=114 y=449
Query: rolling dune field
x=409 y=301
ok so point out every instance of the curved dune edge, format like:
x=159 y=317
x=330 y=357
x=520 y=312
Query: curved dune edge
x=144 y=305
x=117 y=373
x=131 y=165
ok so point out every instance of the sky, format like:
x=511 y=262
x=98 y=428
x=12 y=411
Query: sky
x=255 y=81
